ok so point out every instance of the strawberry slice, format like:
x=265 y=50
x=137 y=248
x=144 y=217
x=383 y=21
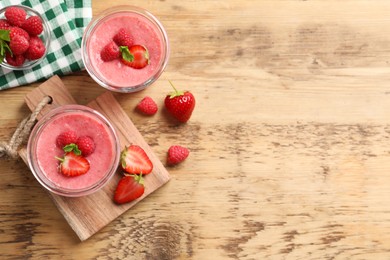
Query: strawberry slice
x=134 y=160
x=137 y=56
x=129 y=188
x=73 y=165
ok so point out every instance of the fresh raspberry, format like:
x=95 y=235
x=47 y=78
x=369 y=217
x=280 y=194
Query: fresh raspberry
x=65 y=138
x=18 y=31
x=4 y=24
x=33 y=25
x=123 y=38
x=147 y=106
x=110 y=52
x=36 y=50
x=86 y=145
x=177 y=154
x=15 y=60
x=18 y=45
x=15 y=15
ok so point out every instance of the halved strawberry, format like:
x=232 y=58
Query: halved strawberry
x=73 y=165
x=137 y=56
x=134 y=160
x=129 y=188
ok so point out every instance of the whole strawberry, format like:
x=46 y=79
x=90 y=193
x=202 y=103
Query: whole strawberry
x=180 y=104
x=15 y=15
x=33 y=25
x=177 y=154
x=147 y=106
x=36 y=49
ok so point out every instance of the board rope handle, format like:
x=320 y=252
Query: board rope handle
x=10 y=149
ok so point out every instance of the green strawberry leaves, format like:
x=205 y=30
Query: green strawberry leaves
x=4 y=39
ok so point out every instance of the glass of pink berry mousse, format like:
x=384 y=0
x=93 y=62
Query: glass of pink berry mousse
x=125 y=49
x=73 y=151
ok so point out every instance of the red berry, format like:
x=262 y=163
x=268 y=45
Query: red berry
x=134 y=160
x=177 y=154
x=129 y=188
x=123 y=38
x=65 y=138
x=73 y=165
x=110 y=52
x=15 y=60
x=137 y=56
x=180 y=104
x=33 y=25
x=86 y=145
x=36 y=50
x=15 y=15
x=4 y=24
x=18 y=31
x=147 y=106
x=18 y=45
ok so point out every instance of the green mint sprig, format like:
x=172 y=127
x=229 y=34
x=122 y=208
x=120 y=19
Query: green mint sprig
x=4 y=46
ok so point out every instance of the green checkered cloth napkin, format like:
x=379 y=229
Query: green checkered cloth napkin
x=67 y=19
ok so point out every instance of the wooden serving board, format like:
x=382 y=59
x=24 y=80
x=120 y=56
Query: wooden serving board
x=87 y=215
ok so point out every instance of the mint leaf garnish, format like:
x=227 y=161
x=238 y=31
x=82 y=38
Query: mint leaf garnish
x=4 y=35
x=72 y=147
x=4 y=38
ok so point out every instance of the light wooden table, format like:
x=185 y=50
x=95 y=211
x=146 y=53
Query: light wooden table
x=290 y=140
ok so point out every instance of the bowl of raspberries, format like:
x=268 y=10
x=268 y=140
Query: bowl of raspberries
x=24 y=37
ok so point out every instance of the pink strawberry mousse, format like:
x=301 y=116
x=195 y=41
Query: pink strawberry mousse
x=84 y=125
x=143 y=32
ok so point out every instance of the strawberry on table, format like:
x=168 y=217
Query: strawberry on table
x=134 y=160
x=72 y=165
x=129 y=188
x=137 y=56
x=180 y=104
x=177 y=154
x=147 y=106
x=15 y=15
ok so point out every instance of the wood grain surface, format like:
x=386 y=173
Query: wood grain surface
x=290 y=140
